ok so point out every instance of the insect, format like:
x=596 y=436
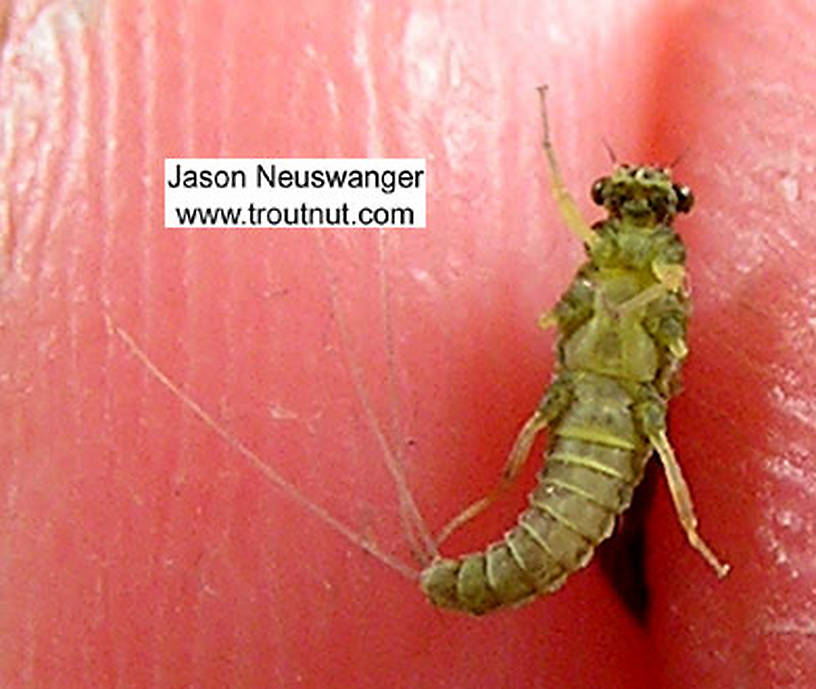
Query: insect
x=621 y=342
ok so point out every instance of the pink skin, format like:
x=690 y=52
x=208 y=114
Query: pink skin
x=140 y=548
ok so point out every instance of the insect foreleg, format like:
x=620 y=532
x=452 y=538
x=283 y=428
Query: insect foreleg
x=640 y=300
x=670 y=275
x=548 y=320
x=573 y=309
x=566 y=204
x=651 y=415
x=553 y=405
x=671 y=279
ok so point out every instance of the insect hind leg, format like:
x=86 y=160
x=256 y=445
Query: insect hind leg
x=651 y=415
x=683 y=504
x=556 y=400
x=569 y=210
x=515 y=461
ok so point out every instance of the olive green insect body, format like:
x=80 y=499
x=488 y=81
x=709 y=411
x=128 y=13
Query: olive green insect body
x=621 y=341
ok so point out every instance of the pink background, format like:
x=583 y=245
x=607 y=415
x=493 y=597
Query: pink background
x=139 y=548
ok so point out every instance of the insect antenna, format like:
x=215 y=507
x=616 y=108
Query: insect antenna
x=612 y=157
x=678 y=158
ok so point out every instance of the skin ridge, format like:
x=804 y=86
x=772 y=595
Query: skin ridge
x=616 y=369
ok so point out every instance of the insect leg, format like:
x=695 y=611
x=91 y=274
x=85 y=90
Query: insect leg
x=566 y=204
x=573 y=309
x=641 y=299
x=671 y=279
x=515 y=461
x=682 y=502
x=548 y=320
x=671 y=275
x=651 y=415
x=554 y=403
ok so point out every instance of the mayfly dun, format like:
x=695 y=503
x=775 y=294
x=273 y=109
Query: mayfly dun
x=621 y=342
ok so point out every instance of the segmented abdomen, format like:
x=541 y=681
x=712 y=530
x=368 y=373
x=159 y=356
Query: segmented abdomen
x=595 y=461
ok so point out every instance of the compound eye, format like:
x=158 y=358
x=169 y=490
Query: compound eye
x=685 y=198
x=598 y=191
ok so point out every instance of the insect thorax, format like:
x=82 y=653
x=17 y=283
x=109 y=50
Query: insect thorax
x=633 y=345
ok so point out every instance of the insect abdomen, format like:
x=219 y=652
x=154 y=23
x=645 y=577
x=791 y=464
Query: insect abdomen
x=596 y=459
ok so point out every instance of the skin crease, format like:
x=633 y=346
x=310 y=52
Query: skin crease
x=141 y=548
